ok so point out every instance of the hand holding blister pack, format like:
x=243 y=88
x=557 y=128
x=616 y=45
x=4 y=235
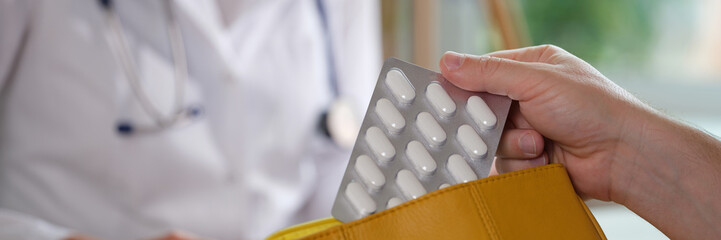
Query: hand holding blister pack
x=420 y=133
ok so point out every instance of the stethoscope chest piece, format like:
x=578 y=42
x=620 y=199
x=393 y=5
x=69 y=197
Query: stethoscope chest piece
x=342 y=123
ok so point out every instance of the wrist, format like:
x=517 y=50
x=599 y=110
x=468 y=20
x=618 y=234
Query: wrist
x=667 y=172
x=643 y=134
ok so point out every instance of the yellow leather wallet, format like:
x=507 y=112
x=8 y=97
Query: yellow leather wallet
x=536 y=203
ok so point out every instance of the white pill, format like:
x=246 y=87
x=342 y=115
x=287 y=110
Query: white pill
x=420 y=158
x=460 y=170
x=481 y=113
x=394 y=202
x=369 y=172
x=400 y=86
x=441 y=102
x=390 y=116
x=471 y=142
x=445 y=185
x=409 y=184
x=380 y=145
x=430 y=129
x=359 y=198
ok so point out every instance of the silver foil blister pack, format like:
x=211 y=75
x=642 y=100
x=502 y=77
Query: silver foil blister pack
x=420 y=133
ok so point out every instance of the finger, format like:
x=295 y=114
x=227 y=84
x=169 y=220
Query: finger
x=505 y=165
x=541 y=53
x=493 y=74
x=520 y=144
x=493 y=171
x=516 y=118
x=178 y=235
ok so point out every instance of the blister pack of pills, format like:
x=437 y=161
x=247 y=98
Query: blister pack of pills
x=420 y=133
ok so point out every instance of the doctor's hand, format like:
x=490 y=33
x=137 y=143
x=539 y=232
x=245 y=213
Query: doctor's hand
x=178 y=236
x=170 y=236
x=613 y=146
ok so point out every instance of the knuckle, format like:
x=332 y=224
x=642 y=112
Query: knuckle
x=489 y=66
x=551 y=53
x=550 y=48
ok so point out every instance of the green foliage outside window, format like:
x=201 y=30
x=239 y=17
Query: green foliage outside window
x=595 y=30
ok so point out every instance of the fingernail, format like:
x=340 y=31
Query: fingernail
x=453 y=60
x=528 y=144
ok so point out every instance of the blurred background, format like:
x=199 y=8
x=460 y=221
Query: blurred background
x=262 y=161
x=668 y=53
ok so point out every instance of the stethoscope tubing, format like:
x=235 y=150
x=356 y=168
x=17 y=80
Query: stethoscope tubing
x=119 y=46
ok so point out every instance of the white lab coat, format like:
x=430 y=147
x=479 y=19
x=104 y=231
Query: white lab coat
x=254 y=162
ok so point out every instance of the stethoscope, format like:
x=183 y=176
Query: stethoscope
x=119 y=46
x=338 y=122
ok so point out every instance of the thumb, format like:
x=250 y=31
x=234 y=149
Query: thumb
x=491 y=74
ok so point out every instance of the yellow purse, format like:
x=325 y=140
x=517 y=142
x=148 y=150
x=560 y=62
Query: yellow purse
x=536 y=203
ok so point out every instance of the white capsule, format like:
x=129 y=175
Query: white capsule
x=481 y=113
x=441 y=102
x=393 y=202
x=445 y=185
x=430 y=129
x=369 y=172
x=379 y=144
x=400 y=86
x=420 y=158
x=460 y=170
x=390 y=116
x=471 y=142
x=409 y=184
x=360 y=199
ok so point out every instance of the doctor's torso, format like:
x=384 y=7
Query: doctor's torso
x=245 y=167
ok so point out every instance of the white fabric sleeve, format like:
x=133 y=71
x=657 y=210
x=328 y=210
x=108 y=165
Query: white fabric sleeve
x=19 y=226
x=14 y=20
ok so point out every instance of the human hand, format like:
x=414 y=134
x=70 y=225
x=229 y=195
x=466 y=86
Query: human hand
x=613 y=146
x=175 y=235
x=582 y=115
x=79 y=237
